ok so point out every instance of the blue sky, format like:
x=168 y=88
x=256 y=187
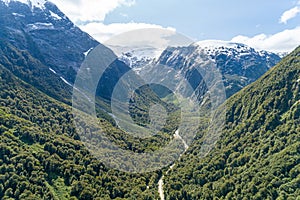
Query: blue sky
x=209 y=19
x=266 y=24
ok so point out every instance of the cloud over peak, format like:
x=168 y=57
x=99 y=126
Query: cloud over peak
x=289 y=14
x=284 y=41
x=103 y=32
x=91 y=10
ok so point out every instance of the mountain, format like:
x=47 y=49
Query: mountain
x=40 y=45
x=257 y=156
x=42 y=29
x=140 y=57
x=141 y=47
x=42 y=152
x=239 y=64
x=31 y=70
x=42 y=156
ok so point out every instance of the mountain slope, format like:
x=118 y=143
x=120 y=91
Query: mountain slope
x=40 y=45
x=42 y=29
x=258 y=155
x=42 y=157
x=32 y=71
x=239 y=64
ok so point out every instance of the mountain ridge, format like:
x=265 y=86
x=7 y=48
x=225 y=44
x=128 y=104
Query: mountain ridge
x=239 y=64
x=47 y=34
x=258 y=153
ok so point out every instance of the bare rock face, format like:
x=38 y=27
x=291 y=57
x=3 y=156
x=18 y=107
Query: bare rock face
x=239 y=64
x=42 y=29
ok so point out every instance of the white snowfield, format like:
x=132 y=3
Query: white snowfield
x=213 y=47
x=138 y=57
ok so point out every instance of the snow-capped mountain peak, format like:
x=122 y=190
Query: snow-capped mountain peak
x=39 y=27
x=238 y=63
x=217 y=47
x=31 y=3
x=137 y=57
x=145 y=45
x=217 y=44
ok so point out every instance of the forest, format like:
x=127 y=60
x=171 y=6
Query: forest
x=42 y=156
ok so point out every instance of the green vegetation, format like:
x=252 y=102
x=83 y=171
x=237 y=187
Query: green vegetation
x=258 y=155
x=31 y=70
x=42 y=157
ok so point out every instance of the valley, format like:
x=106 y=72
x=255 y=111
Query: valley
x=225 y=115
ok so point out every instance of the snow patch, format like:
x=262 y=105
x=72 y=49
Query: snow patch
x=40 y=26
x=230 y=49
x=217 y=44
x=52 y=71
x=137 y=56
x=143 y=53
x=68 y=83
x=245 y=54
x=18 y=15
x=55 y=16
x=87 y=52
x=38 y=3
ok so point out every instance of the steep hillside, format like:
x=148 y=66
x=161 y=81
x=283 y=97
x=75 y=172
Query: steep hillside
x=40 y=45
x=258 y=155
x=46 y=33
x=31 y=70
x=239 y=64
x=42 y=157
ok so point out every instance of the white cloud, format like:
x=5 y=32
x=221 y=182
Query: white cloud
x=93 y=10
x=89 y=16
x=103 y=32
x=284 y=41
x=289 y=14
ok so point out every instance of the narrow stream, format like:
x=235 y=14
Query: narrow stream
x=161 y=180
x=161 y=188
